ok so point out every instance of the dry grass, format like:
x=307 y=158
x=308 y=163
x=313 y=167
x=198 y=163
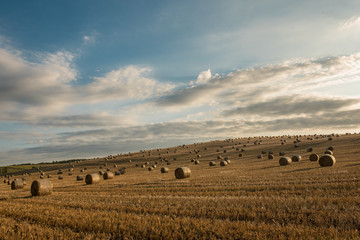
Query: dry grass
x=249 y=199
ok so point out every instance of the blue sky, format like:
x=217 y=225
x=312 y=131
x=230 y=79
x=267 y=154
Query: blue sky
x=81 y=79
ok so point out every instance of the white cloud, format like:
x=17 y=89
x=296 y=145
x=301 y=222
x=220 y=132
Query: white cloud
x=127 y=82
x=204 y=77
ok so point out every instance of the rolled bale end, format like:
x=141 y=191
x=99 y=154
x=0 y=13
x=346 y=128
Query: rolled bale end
x=270 y=156
x=41 y=187
x=17 y=184
x=259 y=156
x=228 y=161
x=282 y=153
x=182 y=172
x=283 y=161
x=327 y=160
x=117 y=173
x=328 y=152
x=212 y=163
x=79 y=178
x=150 y=169
x=296 y=158
x=92 y=178
x=314 y=157
x=223 y=163
x=240 y=154
x=108 y=175
x=309 y=149
x=164 y=170
x=196 y=162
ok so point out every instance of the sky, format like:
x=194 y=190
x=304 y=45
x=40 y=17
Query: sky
x=82 y=79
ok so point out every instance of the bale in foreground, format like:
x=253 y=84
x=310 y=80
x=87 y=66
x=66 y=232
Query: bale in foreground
x=17 y=184
x=182 y=172
x=41 y=187
x=284 y=161
x=92 y=178
x=327 y=160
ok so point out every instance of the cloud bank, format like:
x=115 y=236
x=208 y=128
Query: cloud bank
x=126 y=109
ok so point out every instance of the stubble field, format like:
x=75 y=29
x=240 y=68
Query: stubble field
x=251 y=198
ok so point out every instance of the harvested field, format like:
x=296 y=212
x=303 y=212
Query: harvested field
x=251 y=198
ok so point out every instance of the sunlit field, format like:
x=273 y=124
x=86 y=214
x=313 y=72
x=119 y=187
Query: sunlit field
x=253 y=197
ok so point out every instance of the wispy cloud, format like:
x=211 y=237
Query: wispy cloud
x=351 y=23
x=34 y=91
x=251 y=85
x=90 y=39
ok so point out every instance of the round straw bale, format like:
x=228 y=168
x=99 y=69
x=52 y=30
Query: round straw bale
x=197 y=162
x=314 y=157
x=284 y=161
x=49 y=176
x=259 y=156
x=5 y=181
x=296 y=158
x=330 y=139
x=122 y=171
x=182 y=172
x=212 y=163
x=228 y=161
x=192 y=160
x=328 y=152
x=60 y=177
x=41 y=176
x=282 y=153
x=223 y=163
x=270 y=156
x=108 y=175
x=219 y=157
x=240 y=154
x=330 y=148
x=92 y=178
x=101 y=173
x=327 y=160
x=82 y=170
x=150 y=168
x=168 y=163
x=41 y=187
x=164 y=170
x=17 y=184
x=263 y=152
x=79 y=178
x=70 y=174
x=117 y=173
x=309 y=149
